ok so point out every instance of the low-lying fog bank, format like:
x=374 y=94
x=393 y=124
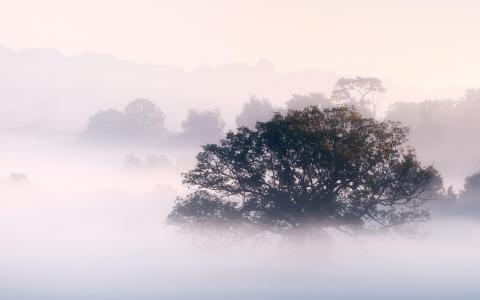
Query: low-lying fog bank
x=83 y=223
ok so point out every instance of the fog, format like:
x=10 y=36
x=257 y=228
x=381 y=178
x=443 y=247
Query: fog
x=87 y=220
x=444 y=132
x=82 y=226
x=39 y=85
x=38 y=88
x=92 y=151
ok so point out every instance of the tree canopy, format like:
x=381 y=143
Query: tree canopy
x=140 y=120
x=441 y=127
x=253 y=111
x=146 y=116
x=471 y=188
x=362 y=93
x=328 y=167
x=203 y=126
x=299 y=102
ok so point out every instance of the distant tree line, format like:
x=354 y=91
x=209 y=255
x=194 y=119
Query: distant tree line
x=142 y=121
x=445 y=131
x=268 y=161
x=464 y=203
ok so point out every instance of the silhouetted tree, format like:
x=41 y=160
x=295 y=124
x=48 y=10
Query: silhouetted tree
x=439 y=128
x=329 y=167
x=141 y=120
x=205 y=209
x=450 y=195
x=362 y=93
x=133 y=162
x=254 y=111
x=111 y=123
x=203 y=126
x=471 y=188
x=146 y=116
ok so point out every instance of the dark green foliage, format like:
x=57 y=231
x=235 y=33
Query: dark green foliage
x=317 y=167
x=205 y=209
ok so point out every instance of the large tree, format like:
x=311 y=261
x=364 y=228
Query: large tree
x=307 y=168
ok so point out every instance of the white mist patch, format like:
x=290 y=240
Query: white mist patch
x=82 y=226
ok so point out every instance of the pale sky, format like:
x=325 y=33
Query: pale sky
x=431 y=44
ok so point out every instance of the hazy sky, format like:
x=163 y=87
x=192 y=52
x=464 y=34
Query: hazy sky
x=429 y=43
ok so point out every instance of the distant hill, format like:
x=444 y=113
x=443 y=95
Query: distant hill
x=42 y=86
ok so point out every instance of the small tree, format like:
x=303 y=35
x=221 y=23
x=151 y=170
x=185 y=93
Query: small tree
x=203 y=126
x=111 y=123
x=254 y=111
x=471 y=188
x=207 y=210
x=141 y=121
x=362 y=93
x=145 y=115
x=329 y=167
x=299 y=102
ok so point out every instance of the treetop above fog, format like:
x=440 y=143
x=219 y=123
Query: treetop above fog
x=141 y=119
x=328 y=167
x=363 y=93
